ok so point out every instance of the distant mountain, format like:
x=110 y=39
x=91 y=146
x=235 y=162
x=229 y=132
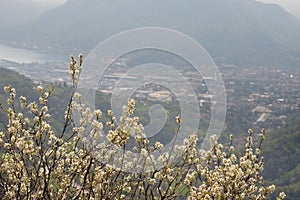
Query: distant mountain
x=233 y=31
x=19 y=12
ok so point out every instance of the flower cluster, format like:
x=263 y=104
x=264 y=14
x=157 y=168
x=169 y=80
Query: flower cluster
x=227 y=176
x=84 y=161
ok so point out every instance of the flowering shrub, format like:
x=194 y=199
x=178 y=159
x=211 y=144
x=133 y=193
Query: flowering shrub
x=38 y=163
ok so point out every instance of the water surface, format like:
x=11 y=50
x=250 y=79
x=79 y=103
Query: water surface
x=21 y=55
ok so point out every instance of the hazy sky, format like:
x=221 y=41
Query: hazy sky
x=292 y=6
x=51 y=1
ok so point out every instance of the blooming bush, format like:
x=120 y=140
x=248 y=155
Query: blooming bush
x=38 y=163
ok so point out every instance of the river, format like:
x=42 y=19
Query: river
x=21 y=55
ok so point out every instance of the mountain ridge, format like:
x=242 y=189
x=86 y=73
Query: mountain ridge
x=242 y=32
x=19 y=12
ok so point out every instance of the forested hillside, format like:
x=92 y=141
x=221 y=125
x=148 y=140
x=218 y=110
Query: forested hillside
x=282 y=152
x=25 y=87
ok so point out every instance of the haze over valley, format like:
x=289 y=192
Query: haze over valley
x=254 y=44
